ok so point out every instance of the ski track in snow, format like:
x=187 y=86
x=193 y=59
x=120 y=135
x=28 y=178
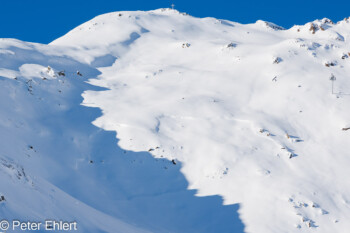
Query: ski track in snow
x=245 y=112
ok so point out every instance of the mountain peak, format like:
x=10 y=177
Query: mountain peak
x=150 y=121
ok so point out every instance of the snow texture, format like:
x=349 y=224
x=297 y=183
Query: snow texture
x=198 y=125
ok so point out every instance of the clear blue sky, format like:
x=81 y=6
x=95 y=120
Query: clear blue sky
x=45 y=20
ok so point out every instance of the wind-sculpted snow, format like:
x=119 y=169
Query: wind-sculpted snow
x=253 y=113
x=54 y=164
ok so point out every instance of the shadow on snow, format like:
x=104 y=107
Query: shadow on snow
x=134 y=186
x=85 y=161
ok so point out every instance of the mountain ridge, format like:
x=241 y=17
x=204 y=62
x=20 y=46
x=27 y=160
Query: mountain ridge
x=245 y=112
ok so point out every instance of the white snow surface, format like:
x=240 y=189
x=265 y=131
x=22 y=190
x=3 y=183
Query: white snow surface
x=247 y=112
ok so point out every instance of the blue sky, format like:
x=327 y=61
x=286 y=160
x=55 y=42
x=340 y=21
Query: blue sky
x=45 y=20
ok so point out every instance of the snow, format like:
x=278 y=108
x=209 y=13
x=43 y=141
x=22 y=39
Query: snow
x=245 y=111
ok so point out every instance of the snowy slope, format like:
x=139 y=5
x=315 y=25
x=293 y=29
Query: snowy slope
x=55 y=164
x=245 y=112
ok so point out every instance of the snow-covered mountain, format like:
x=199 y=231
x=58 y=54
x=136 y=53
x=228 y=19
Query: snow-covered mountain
x=198 y=125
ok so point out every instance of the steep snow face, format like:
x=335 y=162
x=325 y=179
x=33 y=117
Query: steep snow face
x=249 y=110
x=44 y=141
x=254 y=113
x=54 y=164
